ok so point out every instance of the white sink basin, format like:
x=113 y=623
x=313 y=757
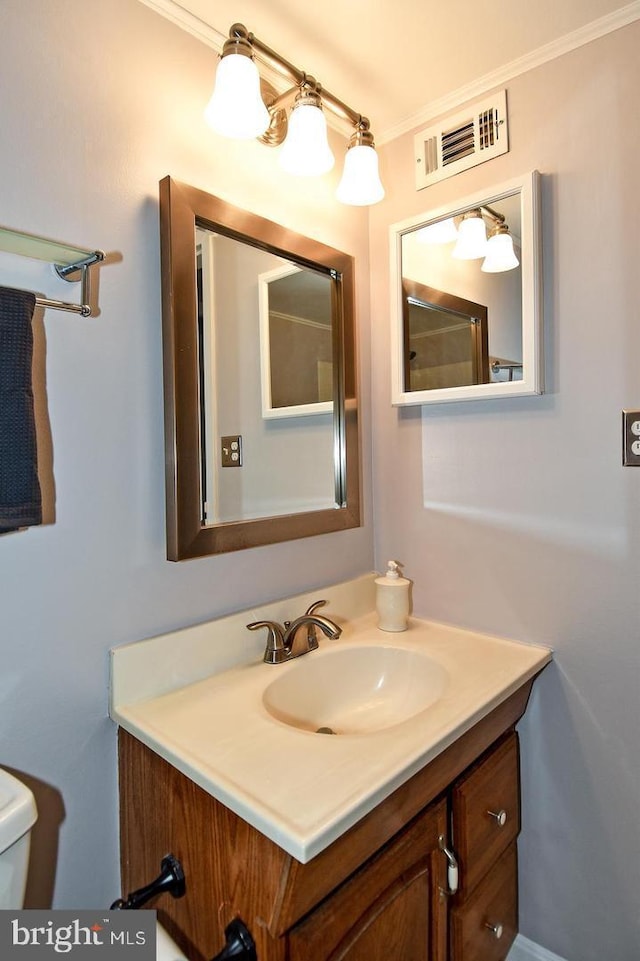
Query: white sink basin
x=355 y=690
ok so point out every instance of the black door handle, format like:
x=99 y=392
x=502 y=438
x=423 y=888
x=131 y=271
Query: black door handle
x=239 y=944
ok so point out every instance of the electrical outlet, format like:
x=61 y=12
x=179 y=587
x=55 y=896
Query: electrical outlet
x=231 y=451
x=631 y=438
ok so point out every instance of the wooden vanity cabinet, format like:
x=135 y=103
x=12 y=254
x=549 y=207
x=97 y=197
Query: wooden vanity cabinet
x=377 y=893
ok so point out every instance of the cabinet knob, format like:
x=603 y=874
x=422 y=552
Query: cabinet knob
x=496 y=929
x=500 y=816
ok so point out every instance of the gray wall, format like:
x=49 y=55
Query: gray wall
x=99 y=102
x=516 y=517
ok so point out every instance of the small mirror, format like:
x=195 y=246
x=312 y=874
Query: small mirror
x=466 y=299
x=260 y=393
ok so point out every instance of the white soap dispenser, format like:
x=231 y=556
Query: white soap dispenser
x=392 y=599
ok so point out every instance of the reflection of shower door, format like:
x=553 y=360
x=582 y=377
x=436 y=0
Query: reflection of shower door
x=445 y=339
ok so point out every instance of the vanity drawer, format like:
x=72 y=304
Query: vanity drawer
x=486 y=811
x=484 y=925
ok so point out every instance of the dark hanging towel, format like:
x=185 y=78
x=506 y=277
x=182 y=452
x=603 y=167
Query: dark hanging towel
x=20 y=500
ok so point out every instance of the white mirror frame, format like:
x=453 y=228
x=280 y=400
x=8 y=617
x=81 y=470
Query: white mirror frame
x=528 y=187
x=269 y=412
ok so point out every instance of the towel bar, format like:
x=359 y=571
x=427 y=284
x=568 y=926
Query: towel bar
x=68 y=262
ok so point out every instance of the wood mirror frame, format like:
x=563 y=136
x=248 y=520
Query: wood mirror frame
x=182 y=207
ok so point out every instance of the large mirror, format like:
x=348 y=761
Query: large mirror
x=261 y=423
x=466 y=299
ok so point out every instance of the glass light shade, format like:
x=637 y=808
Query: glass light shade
x=442 y=232
x=360 y=184
x=500 y=254
x=236 y=108
x=306 y=151
x=472 y=239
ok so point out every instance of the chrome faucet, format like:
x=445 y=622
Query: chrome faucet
x=283 y=642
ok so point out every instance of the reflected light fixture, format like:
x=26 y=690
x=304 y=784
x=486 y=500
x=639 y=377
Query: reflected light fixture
x=500 y=253
x=237 y=109
x=306 y=151
x=472 y=237
x=440 y=232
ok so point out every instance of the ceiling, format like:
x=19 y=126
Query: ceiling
x=392 y=60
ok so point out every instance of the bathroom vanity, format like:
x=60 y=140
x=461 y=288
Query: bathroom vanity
x=397 y=842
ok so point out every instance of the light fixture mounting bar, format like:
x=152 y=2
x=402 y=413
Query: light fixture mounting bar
x=499 y=218
x=238 y=33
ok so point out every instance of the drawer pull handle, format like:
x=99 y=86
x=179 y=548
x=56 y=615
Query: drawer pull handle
x=452 y=865
x=496 y=929
x=500 y=816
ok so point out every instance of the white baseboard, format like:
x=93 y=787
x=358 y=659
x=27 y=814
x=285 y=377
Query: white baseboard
x=525 y=950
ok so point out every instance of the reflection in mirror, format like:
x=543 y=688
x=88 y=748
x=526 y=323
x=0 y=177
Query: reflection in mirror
x=295 y=342
x=445 y=339
x=466 y=299
x=229 y=279
x=239 y=475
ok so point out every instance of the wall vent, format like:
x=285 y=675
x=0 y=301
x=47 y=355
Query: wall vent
x=462 y=140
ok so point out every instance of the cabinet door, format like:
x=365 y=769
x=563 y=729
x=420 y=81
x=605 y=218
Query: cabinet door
x=392 y=908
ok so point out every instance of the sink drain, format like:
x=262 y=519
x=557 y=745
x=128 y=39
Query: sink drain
x=325 y=730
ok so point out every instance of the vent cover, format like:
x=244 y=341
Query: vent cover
x=477 y=133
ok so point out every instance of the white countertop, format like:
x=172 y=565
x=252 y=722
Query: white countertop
x=300 y=789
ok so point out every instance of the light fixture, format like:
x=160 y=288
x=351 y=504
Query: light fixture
x=472 y=237
x=440 y=232
x=500 y=253
x=237 y=109
x=306 y=151
x=360 y=185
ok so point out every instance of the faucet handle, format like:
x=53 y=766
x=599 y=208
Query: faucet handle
x=314 y=607
x=312 y=634
x=275 y=652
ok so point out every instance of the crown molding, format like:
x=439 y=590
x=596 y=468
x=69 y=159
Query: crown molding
x=498 y=78
x=177 y=14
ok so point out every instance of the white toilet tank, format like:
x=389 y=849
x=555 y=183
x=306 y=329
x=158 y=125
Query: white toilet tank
x=17 y=816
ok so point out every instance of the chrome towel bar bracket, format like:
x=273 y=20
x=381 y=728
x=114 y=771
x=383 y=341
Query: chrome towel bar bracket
x=72 y=264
